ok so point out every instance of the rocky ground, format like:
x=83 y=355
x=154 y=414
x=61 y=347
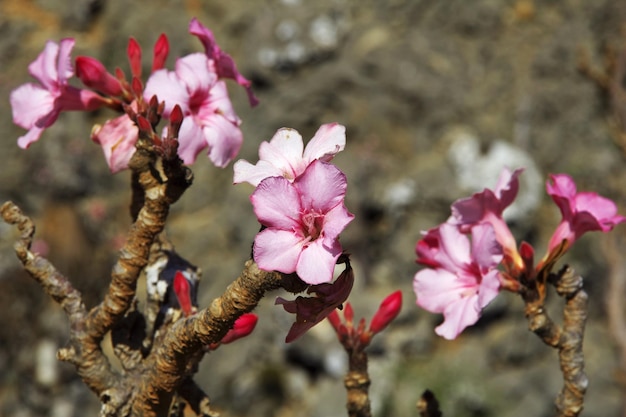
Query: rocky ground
x=434 y=94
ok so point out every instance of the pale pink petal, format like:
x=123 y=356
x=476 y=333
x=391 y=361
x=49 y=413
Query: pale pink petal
x=30 y=103
x=436 y=289
x=195 y=70
x=224 y=139
x=191 y=140
x=486 y=251
x=335 y=220
x=277 y=204
x=317 y=262
x=285 y=145
x=254 y=174
x=599 y=207
x=455 y=247
x=277 y=250
x=284 y=151
x=31 y=136
x=44 y=67
x=65 y=69
x=465 y=312
x=489 y=288
x=507 y=187
x=117 y=137
x=322 y=186
x=218 y=101
x=169 y=89
x=326 y=143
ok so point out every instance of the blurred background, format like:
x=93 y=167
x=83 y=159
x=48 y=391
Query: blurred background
x=436 y=97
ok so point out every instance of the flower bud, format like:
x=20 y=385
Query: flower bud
x=243 y=326
x=182 y=289
x=134 y=57
x=93 y=74
x=388 y=310
x=161 y=50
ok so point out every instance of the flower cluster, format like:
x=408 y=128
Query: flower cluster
x=196 y=86
x=299 y=199
x=464 y=255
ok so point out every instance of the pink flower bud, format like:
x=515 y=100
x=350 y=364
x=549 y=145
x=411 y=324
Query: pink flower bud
x=93 y=74
x=134 y=57
x=388 y=310
x=161 y=50
x=182 y=289
x=244 y=325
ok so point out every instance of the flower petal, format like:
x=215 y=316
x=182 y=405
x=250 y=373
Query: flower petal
x=317 y=262
x=277 y=204
x=326 y=143
x=322 y=186
x=277 y=250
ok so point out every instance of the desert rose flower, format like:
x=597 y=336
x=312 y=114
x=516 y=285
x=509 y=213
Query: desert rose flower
x=582 y=212
x=37 y=106
x=487 y=207
x=283 y=155
x=223 y=64
x=303 y=221
x=462 y=277
x=210 y=120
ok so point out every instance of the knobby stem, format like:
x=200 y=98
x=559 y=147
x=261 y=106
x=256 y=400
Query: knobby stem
x=357 y=383
x=567 y=339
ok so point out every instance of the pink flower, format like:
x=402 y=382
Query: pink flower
x=303 y=221
x=224 y=65
x=487 y=207
x=37 y=106
x=117 y=138
x=210 y=119
x=582 y=212
x=282 y=156
x=464 y=277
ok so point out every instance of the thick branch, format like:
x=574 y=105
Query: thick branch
x=160 y=192
x=357 y=383
x=568 y=339
x=92 y=365
x=166 y=367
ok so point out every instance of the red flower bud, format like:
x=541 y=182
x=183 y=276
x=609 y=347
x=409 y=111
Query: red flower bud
x=134 y=57
x=243 y=326
x=388 y=310
x=182 y=289
x=93 y=74
x=348 y=313
x=334 y=320
x=161 y=50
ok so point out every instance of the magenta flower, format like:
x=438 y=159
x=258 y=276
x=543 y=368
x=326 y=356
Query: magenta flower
x=582 y=212
x=223 y=64
x=303 y=221
x=283 y=155
x=462 y=278
x=210 y=120
x=37 y=106
x=487 y=207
